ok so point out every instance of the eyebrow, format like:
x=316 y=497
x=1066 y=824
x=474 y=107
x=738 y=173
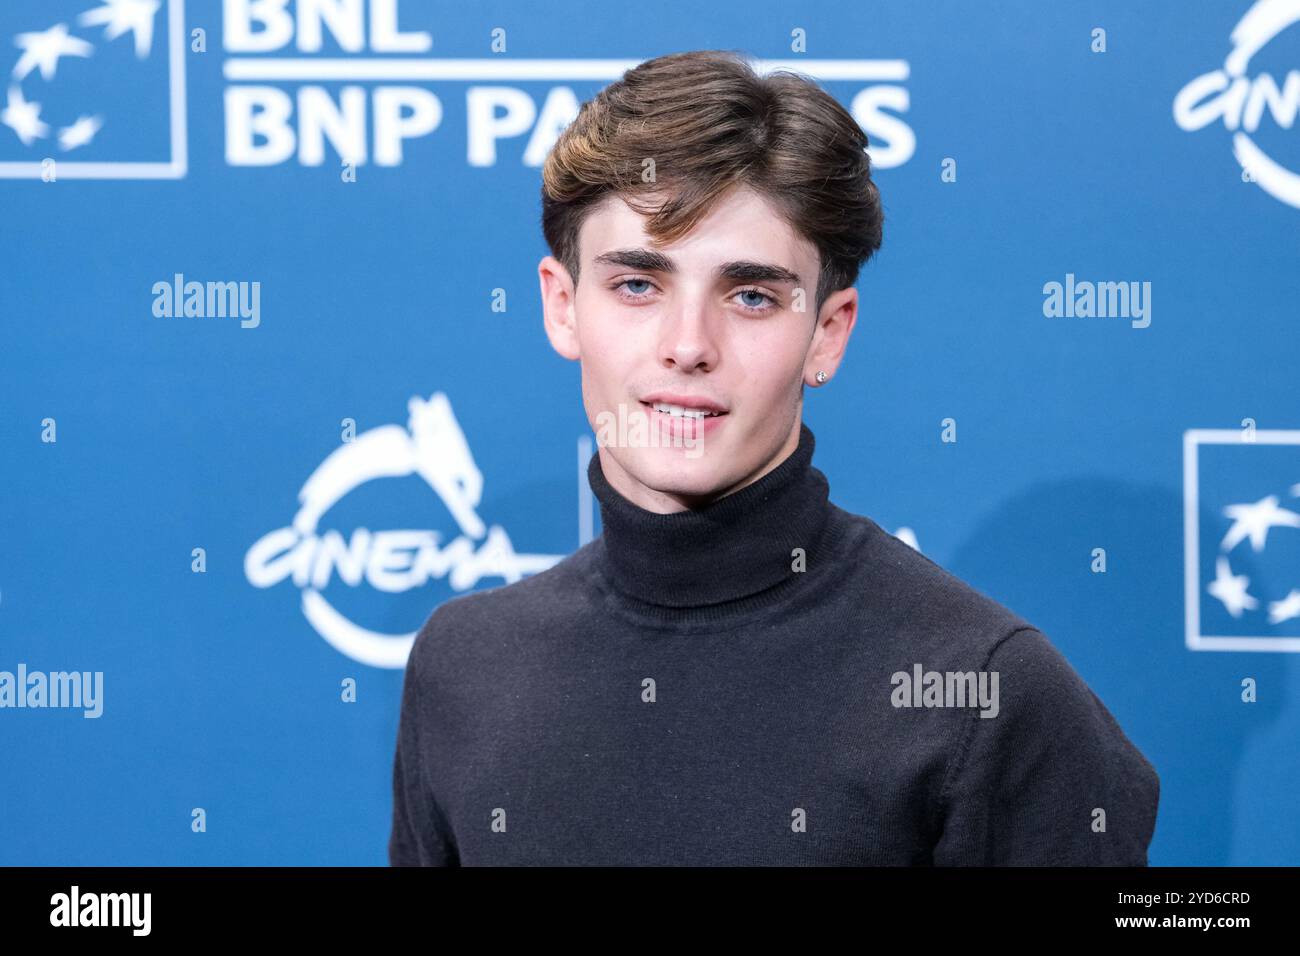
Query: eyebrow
x=738 y=270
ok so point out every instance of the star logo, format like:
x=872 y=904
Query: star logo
x=75 y=78
x=1243 y=582
x=79 y=133
x=23 y=118
x=1231 y=588
x=1286 y=609
x=120 y=16
x=1254 y=520
x=42 y=50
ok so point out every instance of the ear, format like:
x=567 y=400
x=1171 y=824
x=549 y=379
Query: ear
x=838 y=315
x=558 y=307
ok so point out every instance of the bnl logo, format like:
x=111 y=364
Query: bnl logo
x=1241 y=523
x=93 y=89
x=97 y=88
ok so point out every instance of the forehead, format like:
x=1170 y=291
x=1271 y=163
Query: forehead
x=740 y=221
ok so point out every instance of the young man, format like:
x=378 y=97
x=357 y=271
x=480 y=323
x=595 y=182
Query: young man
x=737 y=671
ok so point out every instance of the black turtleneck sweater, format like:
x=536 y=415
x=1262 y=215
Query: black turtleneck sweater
x=726 y=686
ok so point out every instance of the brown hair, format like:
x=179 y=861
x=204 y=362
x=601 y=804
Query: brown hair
x=709 y=122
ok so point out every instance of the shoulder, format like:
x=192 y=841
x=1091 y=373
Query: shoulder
x=920 y=604
x=484 y=621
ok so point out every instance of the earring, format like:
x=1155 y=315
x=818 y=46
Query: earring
x=821 y=376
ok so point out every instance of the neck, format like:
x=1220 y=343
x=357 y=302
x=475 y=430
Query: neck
x=732 y=547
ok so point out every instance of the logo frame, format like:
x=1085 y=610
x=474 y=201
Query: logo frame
x=175 y=167
x=1193 y=439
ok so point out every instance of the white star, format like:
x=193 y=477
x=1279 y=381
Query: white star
x=1255 y=520
x=123 y=15
x=1285 y=609
x=79 y=133
x=23 y=118
x=1231 y=588
x=44 y=49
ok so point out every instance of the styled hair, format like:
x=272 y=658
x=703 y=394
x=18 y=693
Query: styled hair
x=709 y=122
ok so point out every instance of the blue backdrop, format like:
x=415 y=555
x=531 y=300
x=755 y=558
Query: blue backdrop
x=1128 y=481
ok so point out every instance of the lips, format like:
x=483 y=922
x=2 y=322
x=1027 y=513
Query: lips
x=678 y=411
x=684 y=406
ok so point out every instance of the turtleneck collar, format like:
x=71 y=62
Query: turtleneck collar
x=732 y=548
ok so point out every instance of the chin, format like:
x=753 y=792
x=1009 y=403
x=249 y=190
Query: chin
x=671 y=471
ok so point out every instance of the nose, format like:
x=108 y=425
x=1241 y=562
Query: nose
x=688 y=338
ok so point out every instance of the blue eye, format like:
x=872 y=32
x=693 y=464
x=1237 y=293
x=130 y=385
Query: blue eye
x=764 y=299
x=635 y=296
x=636 y=290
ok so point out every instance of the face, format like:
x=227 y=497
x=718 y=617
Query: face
x=718 y=324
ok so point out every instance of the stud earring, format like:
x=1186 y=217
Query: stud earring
x=821 y=376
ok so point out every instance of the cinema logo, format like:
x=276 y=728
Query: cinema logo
x=432 y=447
x=370 y=99
x=1239 y=100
